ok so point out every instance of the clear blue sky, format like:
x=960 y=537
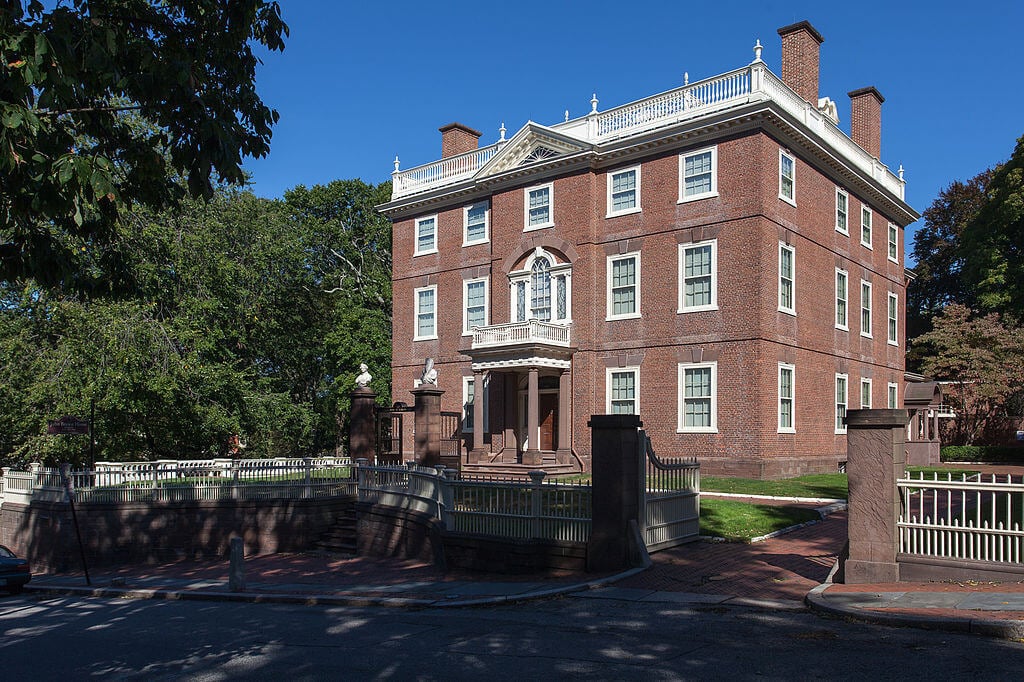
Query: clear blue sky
x=360 y=82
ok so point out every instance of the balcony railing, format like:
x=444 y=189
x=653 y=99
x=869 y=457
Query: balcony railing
x=752 y=83
x=521 y=333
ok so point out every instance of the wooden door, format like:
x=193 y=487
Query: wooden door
x=548 y=418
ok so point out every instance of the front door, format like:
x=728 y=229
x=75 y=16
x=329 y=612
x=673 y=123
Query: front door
x=548 y=418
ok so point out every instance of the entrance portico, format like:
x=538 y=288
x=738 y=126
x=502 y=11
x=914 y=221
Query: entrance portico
x=526 y=368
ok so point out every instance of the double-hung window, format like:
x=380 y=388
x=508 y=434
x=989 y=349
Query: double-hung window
x=623 y=286
x=787 y=274
x=894 y=238
x=842 y=211
x=892 y=337
x=787 y=423
x=426 y=235
x=894 y=396
x=474 y=304
x=865 y=226
x=865 y=393
x=698 y=276
x=787 y=177
x=476 y=223
x=624 y=191
x=623 y=390
x=697 y=397
x=865 y=308
x=842 y=295
x=841 y=399
x=426 y=313
x=698 y=174
x=538 y=207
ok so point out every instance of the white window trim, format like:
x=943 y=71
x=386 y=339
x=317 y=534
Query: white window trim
x=527 y=227
x=866 y=211
x=635 y=209
x=792 y=278
x=416 y=236
x=785 y=154
x=846 y=195
x=889 y=393
x=487 y=224
x=466 y=381
x=682 y=277
x=608 y=287
x=846 y=325
x=866 y=333
x=892 y=335
x=866 y=382
x=893 y=242
x=416 y=313
x=681 y=390
x=835 y=402
x=524 y=276
x=466 y=331
x=682 y=175
x=792 y=398
x=635 y=370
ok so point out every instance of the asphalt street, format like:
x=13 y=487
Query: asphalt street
x=564 y=638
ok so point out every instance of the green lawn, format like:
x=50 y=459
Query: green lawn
x=831 y=486
x=740 y=522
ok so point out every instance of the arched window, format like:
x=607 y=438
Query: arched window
x=542 y=289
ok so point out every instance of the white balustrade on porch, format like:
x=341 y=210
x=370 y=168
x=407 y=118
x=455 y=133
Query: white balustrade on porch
x=515 y=333
x=751 y=83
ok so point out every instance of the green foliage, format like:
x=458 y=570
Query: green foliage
x=245 y=318
x=108 y=103
x=982 y=362
x=983 y=453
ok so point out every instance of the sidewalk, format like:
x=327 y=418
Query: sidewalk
x=789 y=571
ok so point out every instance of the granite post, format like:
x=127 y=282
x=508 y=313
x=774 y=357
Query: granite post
x=616 y=489
x=427 y=424
x=876 y=457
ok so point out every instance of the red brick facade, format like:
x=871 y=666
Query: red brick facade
x=744 y=337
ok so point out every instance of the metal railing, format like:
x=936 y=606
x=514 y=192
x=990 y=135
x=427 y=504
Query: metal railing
x=962 y=518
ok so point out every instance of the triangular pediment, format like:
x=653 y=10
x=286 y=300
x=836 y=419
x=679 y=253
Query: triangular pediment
x=532 y=144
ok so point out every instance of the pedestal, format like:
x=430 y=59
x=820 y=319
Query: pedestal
x=427 y=423
x=362 y=430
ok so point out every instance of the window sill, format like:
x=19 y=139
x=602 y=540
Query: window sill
x=790 y=430
x=867 y=245
x=791 y=202
x=712 y=429
x=842 y=329
x=479 y=241
x=894 y=344
x=424 y=253
x=541 y=226
x=866 y=336
x=845 y=233
x=697 y=197
x=788 y=311
x=697 y=309
x=630 y=211
x=424 y=338
x=628 y=316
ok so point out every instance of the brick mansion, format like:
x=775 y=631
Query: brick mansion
x=721 y=259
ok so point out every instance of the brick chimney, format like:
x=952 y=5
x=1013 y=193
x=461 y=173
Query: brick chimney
x=457 y=139
x=800 y=57
x=866 y=119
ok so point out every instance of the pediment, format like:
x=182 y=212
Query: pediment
x=532 y=144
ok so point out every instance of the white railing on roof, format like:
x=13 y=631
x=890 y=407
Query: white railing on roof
x=974 y=518
x=751 y=83
x=441 y=173
x=514 y=333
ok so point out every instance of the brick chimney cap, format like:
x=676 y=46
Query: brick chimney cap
x=459 y=126
x=870 y=90
x=793 y=28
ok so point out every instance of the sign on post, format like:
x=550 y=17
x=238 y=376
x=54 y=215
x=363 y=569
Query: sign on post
x=68 y=426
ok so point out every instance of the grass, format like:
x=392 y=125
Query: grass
x=741 y=522
x=831 y=486
x=930 y=472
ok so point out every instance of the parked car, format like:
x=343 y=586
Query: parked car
x=14 y=572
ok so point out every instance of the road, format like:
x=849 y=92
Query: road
x=566 y=638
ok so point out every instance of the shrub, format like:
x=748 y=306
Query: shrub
x=983 y=453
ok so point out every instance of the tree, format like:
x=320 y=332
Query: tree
x=982 y=362
x=994 y=240
x=106 y=103
x=939 y=254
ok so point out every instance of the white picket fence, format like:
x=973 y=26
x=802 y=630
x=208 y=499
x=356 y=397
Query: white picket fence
x=962 y=518
x=183 y=481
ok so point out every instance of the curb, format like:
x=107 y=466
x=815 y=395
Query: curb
x=1001 y=629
